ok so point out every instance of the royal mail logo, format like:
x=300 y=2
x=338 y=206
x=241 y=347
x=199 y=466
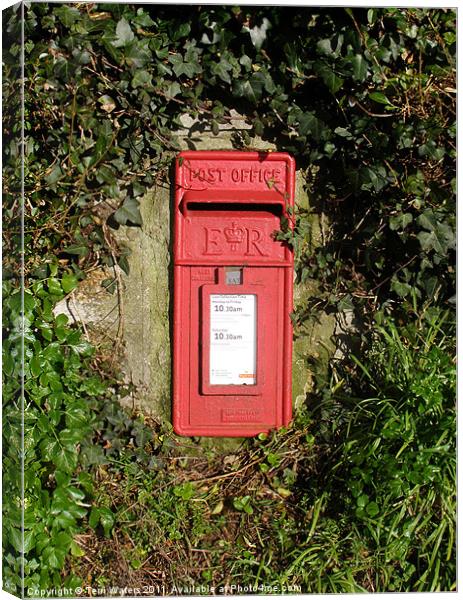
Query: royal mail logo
x=241 y=415
x=234 y=235
x=249 y=241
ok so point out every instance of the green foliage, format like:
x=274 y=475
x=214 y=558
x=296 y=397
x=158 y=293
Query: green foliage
x=71 y=422
x=59 y=391
x=390 y=454
x=243 y=504
x=381 y=154
x=101 y=516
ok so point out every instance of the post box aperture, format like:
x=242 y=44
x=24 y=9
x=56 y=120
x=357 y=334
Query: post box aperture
x=233 y=283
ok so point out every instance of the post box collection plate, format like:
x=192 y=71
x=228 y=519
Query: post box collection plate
x=233 y=289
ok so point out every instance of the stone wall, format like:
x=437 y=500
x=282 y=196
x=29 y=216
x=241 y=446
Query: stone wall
x=144 y=334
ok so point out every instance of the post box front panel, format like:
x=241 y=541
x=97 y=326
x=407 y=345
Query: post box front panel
x=232 y=293
x=214 y=407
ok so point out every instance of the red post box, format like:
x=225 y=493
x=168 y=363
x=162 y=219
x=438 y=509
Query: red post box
x=233 y=284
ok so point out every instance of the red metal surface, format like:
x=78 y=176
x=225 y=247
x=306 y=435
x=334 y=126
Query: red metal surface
x=228 y=205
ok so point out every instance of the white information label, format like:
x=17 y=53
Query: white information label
x=232 y=358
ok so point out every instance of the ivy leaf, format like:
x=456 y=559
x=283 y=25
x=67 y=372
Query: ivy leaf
x=93 y=455
x=246 y=62
x=68 y=282
x=107 y=103
x=82 y=57
x=251 y=89
x=53 y=557
x=75 y=493
x=55 y=174
x=79 y=249
x=400 y=221
x=182 y=31
x=345 y=303
x=102 y=515
x=68 y=437
x=330 y=79
x=124 y=35
x=137 y=54
x=174 y=89
x=81 y=347
x=379 y=98
x=400 y=288
x=76 y=550
x=182 y=67
x=431 y=285
x=76 y=417
x=141 y=79
x=67 y=15
x=65 y=458
x=35 y=366
x=15 y=538
x=309 y=123
x=360 y=67
x=432 y=240
x=439 y=235
x=29 y=541
x=324 y=47
x=54 y=286
x=259 y=33
x=107 y=520
x=373 y=178
x=62 y=541
x=343 y=132
x=109 y=285
x=64 y=519
x=222 y=70
x=143 y=19
x=129 y=212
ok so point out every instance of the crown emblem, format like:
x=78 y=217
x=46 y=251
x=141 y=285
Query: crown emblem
x=234 y=235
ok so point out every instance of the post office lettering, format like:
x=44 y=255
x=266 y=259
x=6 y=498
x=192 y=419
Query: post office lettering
x=207 y=175
x=253 y=175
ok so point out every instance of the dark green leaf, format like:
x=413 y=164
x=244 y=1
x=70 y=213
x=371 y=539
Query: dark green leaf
x=360 y=67
x=141 y=79
x=124 y=34
x=310 y=124
x=129 y=212
x=68 y=282
x=54 y=175
x=400 y=221
x=372 y=509
x=35 y=366
x=181 y=31
x=331 y=80
x=379 y=97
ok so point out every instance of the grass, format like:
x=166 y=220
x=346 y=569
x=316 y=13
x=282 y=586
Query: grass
x=358 y=494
